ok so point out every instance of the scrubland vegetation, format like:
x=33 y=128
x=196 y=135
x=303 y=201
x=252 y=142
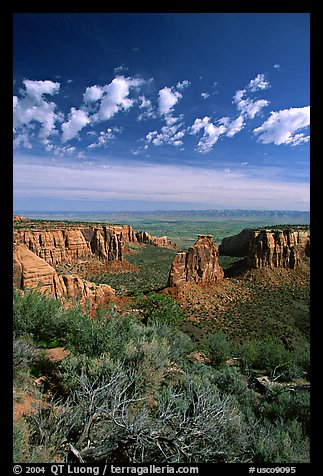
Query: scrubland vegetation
x=134 y=388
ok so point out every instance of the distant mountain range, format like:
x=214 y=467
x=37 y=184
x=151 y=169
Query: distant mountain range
x=97 y=215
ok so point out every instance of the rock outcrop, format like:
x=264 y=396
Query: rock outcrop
x=163 y=241
x=277 y=247
x=32 y=272
x=283 y=248
x=19 y=218
x=72 y=244
x=198 y=265
x=236 y=245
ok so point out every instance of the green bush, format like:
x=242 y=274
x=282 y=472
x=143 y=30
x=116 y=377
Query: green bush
x=219 y=348
x=280 y=443
x=20 y=443
x=286 y=406
x=23 y=355
x=160 y=308
x=180 y=344
x=38 y=315
x=104 y=333
x=270 y=356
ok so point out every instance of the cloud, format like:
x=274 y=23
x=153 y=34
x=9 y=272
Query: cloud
x=211 y=133
x=33 y=108
x=105 y=137
x=235 y=126
x=182 y=85
x=158 y=182
x=35 y=90
x=167 y=100
x=61 y=151
x=116 y=98
x=247 y=106
x=169 y=135
x=282 y=127
x=120 y=69
x=93 y=94
x=258 y=83
x=149 y=110
x=77 y=120
x=277 y=66
x=205 y=95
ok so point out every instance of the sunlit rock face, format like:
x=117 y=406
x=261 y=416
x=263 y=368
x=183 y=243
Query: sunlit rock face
x=198 y=265
x=283 y=248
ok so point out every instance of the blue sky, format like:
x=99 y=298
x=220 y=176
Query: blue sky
x=161 y=111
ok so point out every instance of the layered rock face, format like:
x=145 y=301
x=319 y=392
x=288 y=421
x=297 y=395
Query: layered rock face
x=81 y=243
x=236 y=245
x=278 y=248
x=146 y=238
x=71 y=244
x=198 y=265
x=32 y=272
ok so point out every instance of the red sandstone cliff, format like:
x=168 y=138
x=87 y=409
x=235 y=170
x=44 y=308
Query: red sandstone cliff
x=163 y=241
x=278 y=248
x=67 y=244
x=198 y=265
x=32 y=272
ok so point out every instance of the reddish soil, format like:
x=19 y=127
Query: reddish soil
x=57 y=354
x=24 y=406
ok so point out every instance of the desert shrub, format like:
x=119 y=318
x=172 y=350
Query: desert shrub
x=20 y=448
x=37 y=315
x=219 y=348
x=180 y=344
x=160 y=308
x=23 y=354
x=230 y=381
x=301 y=357
x=280 y=443
x=286 y=406
x=150 y=360
x=191 y=423
x=51 y=425
x=105 y=333
x=270 y=356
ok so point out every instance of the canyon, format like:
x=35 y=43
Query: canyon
x=41 y=248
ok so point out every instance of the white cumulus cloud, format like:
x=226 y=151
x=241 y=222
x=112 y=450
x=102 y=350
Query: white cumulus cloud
x=169 y=135
x=182 y=85
x=282 y=127
x=211 y=133
x=105 y=137
x=93 y=94
x=77 y=120
x=33 y=108
x=258 y=83
x=167 y=100
x=115 y=97
x=148 y=112
x=235 y=126
x=35 y=90
x=247 y=106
